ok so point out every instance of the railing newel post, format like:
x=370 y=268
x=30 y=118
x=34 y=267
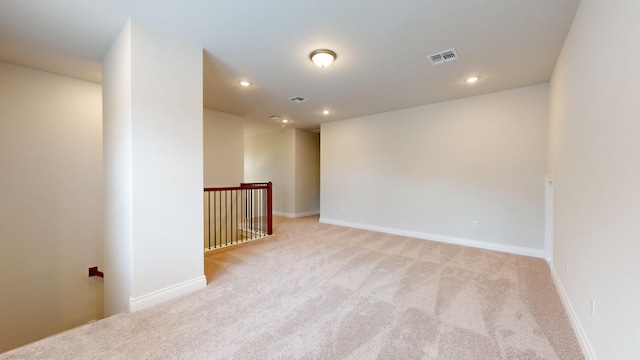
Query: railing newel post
x=269 y=208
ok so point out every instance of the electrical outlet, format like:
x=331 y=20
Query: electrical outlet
x=475 y=224
x=593 y=307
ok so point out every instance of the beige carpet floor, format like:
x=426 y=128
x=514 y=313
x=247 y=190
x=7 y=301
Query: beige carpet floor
x=317 y=291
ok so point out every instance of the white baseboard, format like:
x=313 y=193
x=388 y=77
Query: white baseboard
x=511 y=249
x=587 y=350
x=296 y=215
x=168 y=293
x=284 y=214
x=307 y=213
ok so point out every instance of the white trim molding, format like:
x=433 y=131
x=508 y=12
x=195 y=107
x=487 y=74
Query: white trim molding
x=296 y=215
x=587 y=350
x=284 y=214
x=511 y=249
x=307 y=213
x=168 y=293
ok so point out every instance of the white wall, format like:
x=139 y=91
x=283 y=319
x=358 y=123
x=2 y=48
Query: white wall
x=290 y=159
x=223 y=149
x=167 y=162
x=164 y=140
x=307 y=172
x=51 y=207
x=118 y=227
x=430 y=171
x=271 y=157
x=594 y=152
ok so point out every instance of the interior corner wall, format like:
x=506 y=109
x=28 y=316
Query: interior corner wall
x=167 y=158
x=431 y=171
x=593 y=155
x=271 y=157
x=51 y=207
x=118 y=233
x=223 y=149
x=154 y=141
x=307 y=173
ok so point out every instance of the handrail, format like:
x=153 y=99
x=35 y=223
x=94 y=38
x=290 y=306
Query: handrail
x=229 y=188
x=93 y=271
x=269 y=199
x=238 y=213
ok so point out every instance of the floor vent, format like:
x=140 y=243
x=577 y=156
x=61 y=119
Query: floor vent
x=444 y=57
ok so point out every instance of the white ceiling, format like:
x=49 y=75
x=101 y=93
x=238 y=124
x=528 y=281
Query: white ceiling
x=382 y=48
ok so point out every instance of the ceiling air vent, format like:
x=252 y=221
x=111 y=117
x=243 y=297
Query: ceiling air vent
x=443 y=57
x=298 y=99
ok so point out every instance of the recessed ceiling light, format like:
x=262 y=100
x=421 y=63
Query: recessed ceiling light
x=472 y=79
x=245 y=83
x=322 y=57
x=326 y=112
x=284 y=121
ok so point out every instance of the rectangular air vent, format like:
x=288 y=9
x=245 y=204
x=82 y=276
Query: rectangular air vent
x=443 y=57
x=298 y=99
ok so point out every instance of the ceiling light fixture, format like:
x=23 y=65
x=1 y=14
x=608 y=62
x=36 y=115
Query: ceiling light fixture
x=325 y=112
x=472 y=79
x=284 y=121
x=245 y=83
x=322 y=57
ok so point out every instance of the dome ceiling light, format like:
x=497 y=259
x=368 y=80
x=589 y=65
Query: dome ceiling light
x=322 y=57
